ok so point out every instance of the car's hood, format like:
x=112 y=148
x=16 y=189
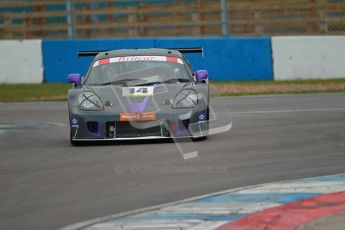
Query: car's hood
x=138 y=98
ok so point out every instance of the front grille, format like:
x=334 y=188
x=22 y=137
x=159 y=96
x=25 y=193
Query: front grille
x=110 y=129
x=186 y=123
x=127 y=130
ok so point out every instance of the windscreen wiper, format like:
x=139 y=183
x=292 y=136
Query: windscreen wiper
x=177 y=80
x=122 y=82
x=180 y=80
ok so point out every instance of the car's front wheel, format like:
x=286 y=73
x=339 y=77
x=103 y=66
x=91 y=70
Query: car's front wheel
x=74 y=142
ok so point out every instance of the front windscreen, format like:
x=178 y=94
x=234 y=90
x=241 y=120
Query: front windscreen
x=138 y=70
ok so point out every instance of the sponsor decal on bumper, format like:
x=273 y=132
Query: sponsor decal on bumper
x=148 y=116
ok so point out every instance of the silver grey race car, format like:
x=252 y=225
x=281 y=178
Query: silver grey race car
x=138 y=94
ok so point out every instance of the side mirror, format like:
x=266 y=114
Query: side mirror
x=201 y=75
x=74 y=78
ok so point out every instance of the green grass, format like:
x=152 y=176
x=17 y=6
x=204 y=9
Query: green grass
x=280 y=92
x=33 y=92
x=238 y=88
x=58 y=92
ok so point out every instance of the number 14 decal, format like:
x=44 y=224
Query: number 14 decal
x=137 y=91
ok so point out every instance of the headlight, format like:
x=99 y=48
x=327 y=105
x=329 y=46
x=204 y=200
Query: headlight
x=187 y=98
x=89 y=101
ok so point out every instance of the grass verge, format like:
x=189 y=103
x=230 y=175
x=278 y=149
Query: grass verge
x=33 y=92
x=58 y=92
x=277 y=87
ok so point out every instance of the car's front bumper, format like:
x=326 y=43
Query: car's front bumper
x=100 y=126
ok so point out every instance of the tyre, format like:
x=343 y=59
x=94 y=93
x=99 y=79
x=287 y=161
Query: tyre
x=74 y=142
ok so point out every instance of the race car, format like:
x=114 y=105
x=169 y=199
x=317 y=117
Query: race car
x=138 y=94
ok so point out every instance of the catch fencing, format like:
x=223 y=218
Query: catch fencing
x=169 y=18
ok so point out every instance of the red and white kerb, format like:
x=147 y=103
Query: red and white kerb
x=137 y=58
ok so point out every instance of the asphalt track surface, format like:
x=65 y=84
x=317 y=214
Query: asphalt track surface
x=45 y=183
